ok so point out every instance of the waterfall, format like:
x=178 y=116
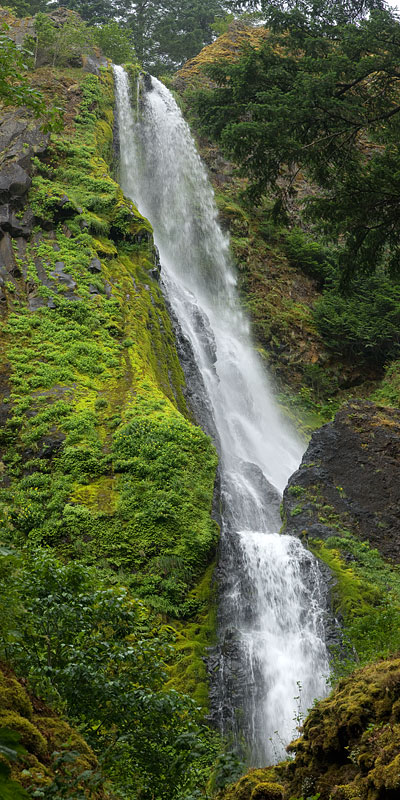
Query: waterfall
x=271 y=660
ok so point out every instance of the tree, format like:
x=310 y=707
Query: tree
x=92 y=649
x=62 y=43
x=15 y=89
x=115 y=42
x=336 y=11
x=325 y=99
x=164 y=34
x=25 y=8
x=183 y=30
x=95 y=12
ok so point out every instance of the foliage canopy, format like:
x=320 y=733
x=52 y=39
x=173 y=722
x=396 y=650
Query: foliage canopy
x=321 y=100
x=91 y=649
x=164 y=35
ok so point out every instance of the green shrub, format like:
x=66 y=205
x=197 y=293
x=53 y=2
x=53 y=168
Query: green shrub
x=365 y=322
x=116 y=42
x=91 y=647
x=309 y=255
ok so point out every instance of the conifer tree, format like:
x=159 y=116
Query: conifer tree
x=322 y=97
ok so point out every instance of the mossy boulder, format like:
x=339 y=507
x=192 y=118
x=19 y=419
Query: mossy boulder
x=227 y=46
x=14 y=697
x=30 y=736
x=267 y=791
x=349 y=748
x=249 y=784
x=41 y=732
x=350 y=743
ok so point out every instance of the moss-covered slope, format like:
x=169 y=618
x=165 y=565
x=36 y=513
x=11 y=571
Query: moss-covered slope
x=229 y=45
x=100 y=458
x=349 y=748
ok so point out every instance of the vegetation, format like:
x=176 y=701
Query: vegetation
x=107 y=599
x=115 y=42
x=102 y=464
x=164 y=36
x=306 y=99
x=89 y=648
x=349 y=747
x=15 y=88
x=62 y=43
x=324 y=348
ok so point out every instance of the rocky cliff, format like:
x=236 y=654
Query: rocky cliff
x=349 y=477
x=343 y=502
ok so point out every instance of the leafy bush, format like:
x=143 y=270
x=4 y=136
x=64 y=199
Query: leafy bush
x=15 y=88
x=165 y=510
x=62 y=44
x=115 y=42
x=90 y=648
x=363 y=324
x=10 y=749
x=308 y=255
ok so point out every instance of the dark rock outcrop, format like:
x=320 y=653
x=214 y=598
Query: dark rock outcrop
x=350 y=475
x=21 y=138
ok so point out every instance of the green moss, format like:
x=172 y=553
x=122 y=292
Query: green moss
x=244 y=788
x=351 y=741
x=267 y=791
x=388 y=392
x=14 y=697
x=349 y=748
x=58 y=732
x=188 y=673
x=366 y=595
x=30 y=737
x=41 y=732
x=102 y=460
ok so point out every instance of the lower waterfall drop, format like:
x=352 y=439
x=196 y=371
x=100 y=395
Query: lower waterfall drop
x=271 y=661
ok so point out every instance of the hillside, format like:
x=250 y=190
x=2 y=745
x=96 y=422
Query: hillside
x=111 y=498
x=286 y=271
x=93 y=396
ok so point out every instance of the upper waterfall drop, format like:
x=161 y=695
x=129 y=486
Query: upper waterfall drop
x=271 y=617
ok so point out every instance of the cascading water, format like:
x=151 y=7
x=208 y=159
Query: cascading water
x=271 y=661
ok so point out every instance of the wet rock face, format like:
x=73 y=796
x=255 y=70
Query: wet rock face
x=21 y=138
x=195 y=392
x=351 y=468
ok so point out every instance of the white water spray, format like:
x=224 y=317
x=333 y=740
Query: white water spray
x=270 y=604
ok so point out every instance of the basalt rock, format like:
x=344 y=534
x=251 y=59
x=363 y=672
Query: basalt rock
x=350 y=475
x=95 y=266
x=21 y=138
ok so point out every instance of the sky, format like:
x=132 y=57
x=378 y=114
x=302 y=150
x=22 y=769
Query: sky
x=395 y=4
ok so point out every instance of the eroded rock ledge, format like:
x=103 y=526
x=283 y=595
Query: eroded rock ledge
x=350 y=474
